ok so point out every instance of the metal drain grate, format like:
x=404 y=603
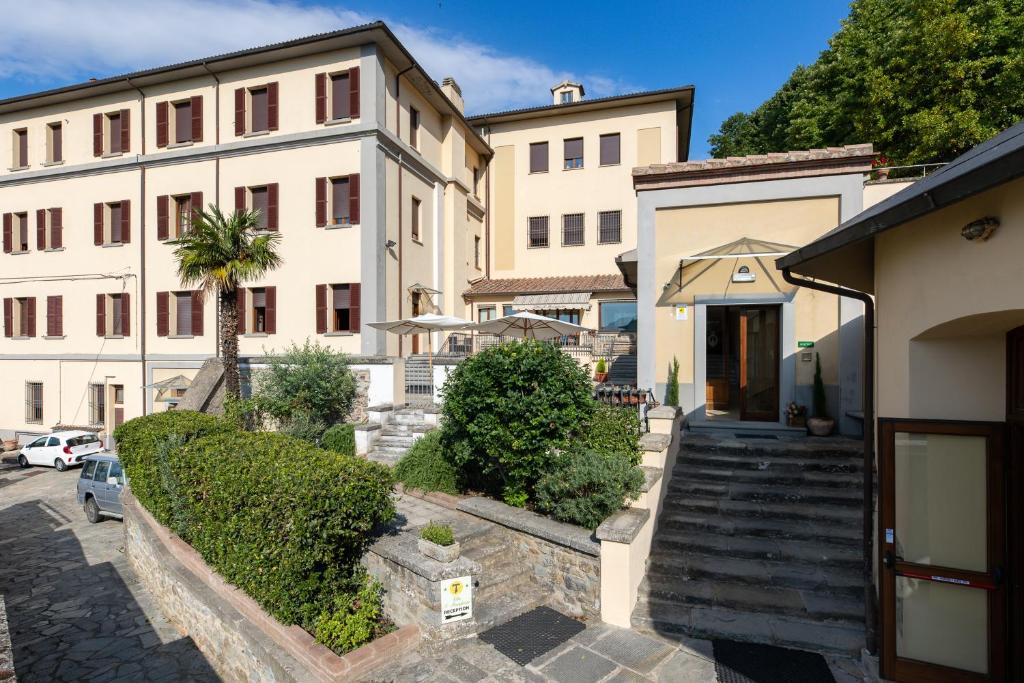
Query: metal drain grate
x=753 y=663
x=528 y=636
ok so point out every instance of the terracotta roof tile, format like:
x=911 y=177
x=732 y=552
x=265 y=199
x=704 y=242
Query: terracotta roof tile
x=757 y=160
x=547 y=285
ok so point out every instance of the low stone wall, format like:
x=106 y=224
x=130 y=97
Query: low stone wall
x=566 y=558
x=6 y=651
x=241 y=641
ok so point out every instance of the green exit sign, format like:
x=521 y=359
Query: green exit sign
x=805 y=344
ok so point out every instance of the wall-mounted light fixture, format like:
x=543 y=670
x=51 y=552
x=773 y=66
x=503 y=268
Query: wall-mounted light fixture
x=390 y=244
x=743 y=274
x=980 y=230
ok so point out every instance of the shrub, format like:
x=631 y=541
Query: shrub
x=303 y=426
x=243 y=413
x=584 y=487
x=602 y=366
x=284 y=521
x=356 y=617
x=614 y=430
x=144 y=450
x=819 y=396
x=441 y=534
x=504 y=411
x=340 y=438
x=424 y=467
x=672 y=390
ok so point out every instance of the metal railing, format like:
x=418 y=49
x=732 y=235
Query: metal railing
x=593 y=345
x=908 y=172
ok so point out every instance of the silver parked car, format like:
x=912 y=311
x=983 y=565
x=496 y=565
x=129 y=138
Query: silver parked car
x=100 y=487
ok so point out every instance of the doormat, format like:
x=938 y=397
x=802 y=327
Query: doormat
x=528 y=636
x=753 y=663
x=757 y=436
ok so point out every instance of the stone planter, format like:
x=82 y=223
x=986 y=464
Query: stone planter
x=600 y=377
x=441 y=553
x=819 y=426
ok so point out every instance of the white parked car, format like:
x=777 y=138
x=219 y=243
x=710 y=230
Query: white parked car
x=60 y=449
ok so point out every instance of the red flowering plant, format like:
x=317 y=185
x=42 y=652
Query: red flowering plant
x=880 y=160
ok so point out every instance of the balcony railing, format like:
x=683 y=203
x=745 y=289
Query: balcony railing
x=586 y=347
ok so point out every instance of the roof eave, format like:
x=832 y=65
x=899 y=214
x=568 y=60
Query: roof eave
x=683 y=95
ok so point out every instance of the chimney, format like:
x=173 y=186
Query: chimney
x=453 y=92
x=567 y=92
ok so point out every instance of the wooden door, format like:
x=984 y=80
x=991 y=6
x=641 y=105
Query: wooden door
x=1015 y=511
x=759 y=363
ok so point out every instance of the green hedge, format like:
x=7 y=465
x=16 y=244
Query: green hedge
x=425 y=468
x=340 y=438
x=584 y=487
x=141 y=447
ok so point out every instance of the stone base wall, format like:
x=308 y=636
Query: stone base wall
x=239 y=639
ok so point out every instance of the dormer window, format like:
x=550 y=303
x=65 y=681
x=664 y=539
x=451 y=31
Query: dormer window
x=566 y=97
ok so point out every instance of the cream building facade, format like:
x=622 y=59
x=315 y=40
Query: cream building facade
x=363 y=164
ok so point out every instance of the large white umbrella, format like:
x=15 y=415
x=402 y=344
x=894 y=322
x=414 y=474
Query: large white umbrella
x=426 y=323
x=528 y=326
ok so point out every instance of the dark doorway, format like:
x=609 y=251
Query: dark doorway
x=742 y=363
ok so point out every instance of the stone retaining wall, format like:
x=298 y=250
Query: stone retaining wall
x=241 y=641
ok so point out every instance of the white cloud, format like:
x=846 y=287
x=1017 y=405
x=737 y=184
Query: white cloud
x=59 y=41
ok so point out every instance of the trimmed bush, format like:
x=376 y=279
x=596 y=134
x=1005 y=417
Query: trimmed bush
x=356 y=617
x=505 y=410
x=614 y=430
x=424 y=467
x=584 y=487
x=144 y=452
x=340 y=438
x=283 y=520
x=441 y=534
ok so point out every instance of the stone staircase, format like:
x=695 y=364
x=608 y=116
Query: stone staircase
x=622 y=370
x=760 y=541
x=419 y=384
x=397 y=436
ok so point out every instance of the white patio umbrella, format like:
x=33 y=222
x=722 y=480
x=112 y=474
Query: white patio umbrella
x=528 y=326
x=426 y=323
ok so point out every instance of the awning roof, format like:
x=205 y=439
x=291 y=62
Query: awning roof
x=744 y=246
x=550 y=302
x=719 y=271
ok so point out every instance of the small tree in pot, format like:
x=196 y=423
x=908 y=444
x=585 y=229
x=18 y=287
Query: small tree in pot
x=601 y=371
x=821 y=424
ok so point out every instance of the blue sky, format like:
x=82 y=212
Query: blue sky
x=503 y=54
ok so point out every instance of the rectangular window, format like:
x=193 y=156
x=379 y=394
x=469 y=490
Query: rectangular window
x=341 y=307
x=259 y=310
x=340 y=96
x=476 y=251
x=476 y=181
x=34 y=402
x=259 y=102
x=182 y=214
x=340 y=214
x=114 y=133
x=573 y=153
x=415 y=218
x=507 y=309
x=414 y=127
x=566 y=97
x=116 y=315
x=20 y=159
x=485 y=313
x=22 y=306
x=118 y=394
x=260 y=202
x=55 y=143
x=183 y=121
x=609 y=227
x=538 y=157
x=538 y=231
x=21 y=232
x=97 y=404
x=115 y=222
x=572 y=230
x=617 y=316
x=183 y=314
x=610 y=149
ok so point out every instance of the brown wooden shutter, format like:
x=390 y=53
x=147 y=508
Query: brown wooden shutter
x=162 y=204
x=126 y=221
x=197 y=118
x=239 y=199
x=101 y=315
x=197 y=203
x=126 y=131
x=320 y=86
x=272 y=106
x=31 y=304
x=97 y=223
x=271 y=309
x=97 y=135
x=239 y=111
x=320 y=303
x=49 y=316
x=162 y=314
x=197 y=314
x=272 y=207
x=240 y=306
x=353 y=92
x=40 y=229
x=8 y=317
x=161 y=124
x=355 y=292
x=56 y=228
x=8 y=237
x=321 y=202
x=126 y=314
x=55 y=316
x=353 y=198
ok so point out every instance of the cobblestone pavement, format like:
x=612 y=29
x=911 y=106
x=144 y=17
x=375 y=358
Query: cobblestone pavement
x=75 y=610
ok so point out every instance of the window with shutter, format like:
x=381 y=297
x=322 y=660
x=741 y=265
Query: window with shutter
x=415 y=217
x=183 y=314
x=610 y=149
x=414 y=127
x=56 y=218
x=117 y=321
x=353 y=92
x=41 y=229
x=8 y=317
x=114 y=133
x=54 y=316
x=573 y=153
x=55 y=142
x=163 y=314
x=353 y=199
x=537 y=229
x=258 y=197
x=182 y=214
x=162 y=124
x=183 y=121
x=340 y=96
x=20 y=148
x=258 y=297
x=340 y=205
x=320 y=308
x=115 y=223
x=197 y=118
x=341 y=308
x=258 y=107
x=21 y=242
x=8 y=221
x=197 y=313
x=609 y=227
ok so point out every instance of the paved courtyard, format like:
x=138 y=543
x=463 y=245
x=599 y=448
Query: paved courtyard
x=75 y=610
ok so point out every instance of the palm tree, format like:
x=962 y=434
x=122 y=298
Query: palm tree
x=218 y=253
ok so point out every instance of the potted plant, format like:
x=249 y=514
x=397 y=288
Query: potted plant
x=796 y=415
x=821 y=424
x=438 y=543
x=881 y=165
x=601 y=371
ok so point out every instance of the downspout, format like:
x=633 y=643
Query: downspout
x=216 y=183
x=398 y=134
x=487 y=212
x=142 y=244
x=868 y=531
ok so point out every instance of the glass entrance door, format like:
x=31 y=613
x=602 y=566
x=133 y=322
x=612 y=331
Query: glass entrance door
x=942 y=545
x=759 y=363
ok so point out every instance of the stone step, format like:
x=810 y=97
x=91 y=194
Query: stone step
x=509 y=579
x=390 y=449
x=767 y=599
x=718 y=622
x=823 y=514
x=404 y=429
x=781 y=462
x=846 y=535
x=768 y=494
x=688 y=471
x=788 y=444
x=673 y=541
x=388 y=459
x=789 y=574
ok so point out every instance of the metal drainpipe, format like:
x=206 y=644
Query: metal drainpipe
x=398 y=134
x=487 y=212
x=142 y=244
x=870 y=610
x=216 y=187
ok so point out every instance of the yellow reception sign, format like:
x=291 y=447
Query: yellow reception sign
x=456 y=599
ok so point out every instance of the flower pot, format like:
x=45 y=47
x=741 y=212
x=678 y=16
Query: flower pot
x=600 y=377
x=441 y=553
x=796 y=421
x=883 y=173
x=819 y=426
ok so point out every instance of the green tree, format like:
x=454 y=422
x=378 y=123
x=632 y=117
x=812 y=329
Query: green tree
x=924 y=80
x=218 y=253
